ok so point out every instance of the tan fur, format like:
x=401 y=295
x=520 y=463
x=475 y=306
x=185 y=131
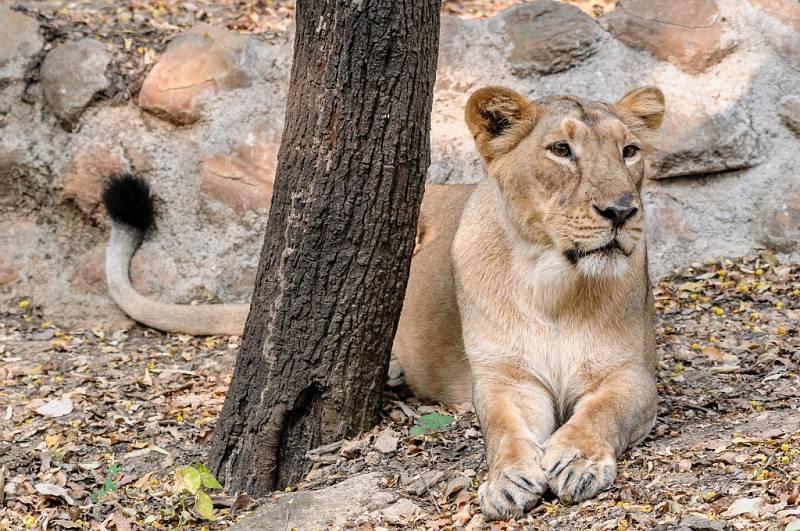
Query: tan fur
x=558 y=353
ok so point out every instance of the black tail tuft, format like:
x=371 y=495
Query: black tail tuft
x=128 y=200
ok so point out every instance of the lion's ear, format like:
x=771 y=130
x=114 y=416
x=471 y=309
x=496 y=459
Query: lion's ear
x=641 y=109
x=490 y=113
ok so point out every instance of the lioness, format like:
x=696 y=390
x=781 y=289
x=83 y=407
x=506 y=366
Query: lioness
x=528 y=292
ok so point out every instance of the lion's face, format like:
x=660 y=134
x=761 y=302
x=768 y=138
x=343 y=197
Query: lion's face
x=570 y=170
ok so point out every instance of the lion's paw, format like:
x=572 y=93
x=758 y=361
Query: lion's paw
x=514 y=491
x=578 y=466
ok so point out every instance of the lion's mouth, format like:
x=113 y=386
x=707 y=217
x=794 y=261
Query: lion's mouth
x=609 y=249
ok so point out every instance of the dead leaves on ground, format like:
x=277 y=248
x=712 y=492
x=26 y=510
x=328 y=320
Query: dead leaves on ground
x=94 y=425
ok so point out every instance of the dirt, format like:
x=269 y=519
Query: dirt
x=142 y=406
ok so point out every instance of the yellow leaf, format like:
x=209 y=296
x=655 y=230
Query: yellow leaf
x=188 y=479
x=690 y=286
x=24 y=303
x=203 y=506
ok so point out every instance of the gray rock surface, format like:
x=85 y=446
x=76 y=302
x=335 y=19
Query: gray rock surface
x=789 y=109
x=320 y=509
x=728 y=181
x=700 y=142
x=548 y=37
x=19 y=41
x=71 y=75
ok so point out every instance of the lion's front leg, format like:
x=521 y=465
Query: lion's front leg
x=580 y=458
x=517 y=415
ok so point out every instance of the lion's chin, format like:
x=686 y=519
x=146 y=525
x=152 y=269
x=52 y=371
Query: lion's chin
x=602 y=265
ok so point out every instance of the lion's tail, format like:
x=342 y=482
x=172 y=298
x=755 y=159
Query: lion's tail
x=130 y=206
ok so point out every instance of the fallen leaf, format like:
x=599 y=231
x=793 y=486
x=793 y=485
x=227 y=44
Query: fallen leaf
x=48 y=489
x=203 y=506
x=750 y=506
x=56 y=408
x=188 y=479
x=386 y=441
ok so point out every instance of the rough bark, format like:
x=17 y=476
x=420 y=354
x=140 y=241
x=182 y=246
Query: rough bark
x=339 y=238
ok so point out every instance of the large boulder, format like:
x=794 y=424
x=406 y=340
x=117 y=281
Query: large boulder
x=71 y=76
x=19 y=42
x=691 y=34
x=696 y=141
x=787 y=11
x=784 y=34
x=196 y=65
x=88 y=169
x=548 y=37
x=242 y=179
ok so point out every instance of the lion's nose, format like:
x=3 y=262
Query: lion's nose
x=617 y=214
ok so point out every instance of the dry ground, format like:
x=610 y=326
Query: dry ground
x=93 y=425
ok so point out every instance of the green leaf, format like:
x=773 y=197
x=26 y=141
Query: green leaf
x=430 y=422
x=208 y=479
x=109 y=486
x=188 y=479
x=113 y=469
x=203 y=506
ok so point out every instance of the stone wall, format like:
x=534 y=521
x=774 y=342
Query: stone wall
x=205 y=127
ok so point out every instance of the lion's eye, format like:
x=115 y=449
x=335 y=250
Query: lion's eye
x=630 y=151
x=560 y=149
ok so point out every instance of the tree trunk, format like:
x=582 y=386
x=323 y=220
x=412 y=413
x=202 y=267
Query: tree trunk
x=335 y=261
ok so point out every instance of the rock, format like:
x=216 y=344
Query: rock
x=329 y=507
x=789 y=110
x=667 y=226
x=426 y=482
x=9 y=162
x=787 y=11
x=90 y=272
x=386 y=441
x=85 y=176
x=694 y=141
x=399 y=510
x=196 y=64
x=243 y=179
x=20 y=42
x=697 y=523
x=549 y=37
x=152 y=270
x=781 y=222
x=784 y=37
x=71 y=75
x=690 y=34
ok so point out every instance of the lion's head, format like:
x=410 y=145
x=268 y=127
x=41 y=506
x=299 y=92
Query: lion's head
x=570 y=170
